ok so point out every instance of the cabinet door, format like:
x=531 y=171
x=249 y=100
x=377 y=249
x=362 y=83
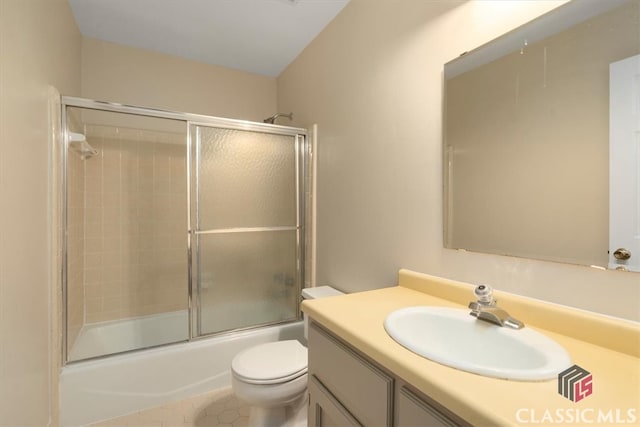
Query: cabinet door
x=364 y=389
x=413 y=411
x=325 y=410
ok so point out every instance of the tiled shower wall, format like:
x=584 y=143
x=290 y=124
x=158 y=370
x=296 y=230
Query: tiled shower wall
x=75 y=246
x=135 y=224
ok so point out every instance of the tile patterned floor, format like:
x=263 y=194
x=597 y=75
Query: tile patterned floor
x=216 y=409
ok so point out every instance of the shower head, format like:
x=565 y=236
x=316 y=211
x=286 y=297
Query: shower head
x=272 y=119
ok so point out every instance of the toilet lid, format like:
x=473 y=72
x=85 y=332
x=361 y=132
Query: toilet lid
x=271 y=363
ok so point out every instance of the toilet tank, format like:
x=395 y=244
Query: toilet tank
x=315 y=293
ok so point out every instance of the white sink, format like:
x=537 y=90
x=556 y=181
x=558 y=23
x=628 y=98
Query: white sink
x=454 y=338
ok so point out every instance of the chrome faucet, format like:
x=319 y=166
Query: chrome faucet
x=485 y=308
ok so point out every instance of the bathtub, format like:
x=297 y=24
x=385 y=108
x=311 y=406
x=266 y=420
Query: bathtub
x=117 y=336
x=97 y=390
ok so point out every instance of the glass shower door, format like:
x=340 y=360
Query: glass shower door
x=247 y=227
x=125 y=248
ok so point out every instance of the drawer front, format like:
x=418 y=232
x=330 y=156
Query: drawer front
x=364 y=390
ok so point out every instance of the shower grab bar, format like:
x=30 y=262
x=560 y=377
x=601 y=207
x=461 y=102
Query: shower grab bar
x=246 y=230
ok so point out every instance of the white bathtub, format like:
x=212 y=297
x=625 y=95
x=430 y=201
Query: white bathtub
x=117 y=336
x=97 y=390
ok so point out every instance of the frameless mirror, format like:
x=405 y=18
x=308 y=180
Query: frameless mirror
x=542 y=139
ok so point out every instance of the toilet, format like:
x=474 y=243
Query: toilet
x=272 y=377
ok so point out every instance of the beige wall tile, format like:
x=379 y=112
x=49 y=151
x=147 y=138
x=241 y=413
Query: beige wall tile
x=135 y=235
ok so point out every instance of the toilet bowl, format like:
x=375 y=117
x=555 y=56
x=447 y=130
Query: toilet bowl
x=272 y=377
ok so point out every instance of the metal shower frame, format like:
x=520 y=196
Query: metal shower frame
x=302 y=154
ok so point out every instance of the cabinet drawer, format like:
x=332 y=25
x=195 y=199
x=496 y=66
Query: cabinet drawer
x=364 y=390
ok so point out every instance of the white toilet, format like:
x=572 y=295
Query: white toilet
x=272 y=377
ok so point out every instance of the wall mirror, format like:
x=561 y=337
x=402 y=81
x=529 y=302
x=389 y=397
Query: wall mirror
x=542 y=139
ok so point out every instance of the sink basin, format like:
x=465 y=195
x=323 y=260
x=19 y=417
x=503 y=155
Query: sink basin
x=454 y=338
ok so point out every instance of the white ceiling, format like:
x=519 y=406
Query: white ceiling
x=259 y=36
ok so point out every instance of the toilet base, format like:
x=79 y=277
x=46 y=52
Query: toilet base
x=292 y=415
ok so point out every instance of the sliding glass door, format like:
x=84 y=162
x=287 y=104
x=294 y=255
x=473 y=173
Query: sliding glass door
x=247 y=226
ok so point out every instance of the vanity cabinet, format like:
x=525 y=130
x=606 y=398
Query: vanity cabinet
x=348 y=389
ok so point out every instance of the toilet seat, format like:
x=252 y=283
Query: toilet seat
x=271 y=363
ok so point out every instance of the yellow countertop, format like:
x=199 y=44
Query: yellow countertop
x=606 y=347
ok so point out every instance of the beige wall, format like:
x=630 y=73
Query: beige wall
x=39 y=46
x=112 y=72
x=373 y=83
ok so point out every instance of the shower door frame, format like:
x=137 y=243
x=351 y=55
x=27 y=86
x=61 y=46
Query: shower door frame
x=302 y=155
x=301 y=149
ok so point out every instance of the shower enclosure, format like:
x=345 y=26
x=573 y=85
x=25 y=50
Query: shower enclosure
x=176 y=226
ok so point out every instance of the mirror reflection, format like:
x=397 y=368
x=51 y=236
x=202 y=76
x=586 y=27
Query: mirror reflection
x=532 y=121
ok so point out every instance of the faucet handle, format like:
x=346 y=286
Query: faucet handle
x=484 y=294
